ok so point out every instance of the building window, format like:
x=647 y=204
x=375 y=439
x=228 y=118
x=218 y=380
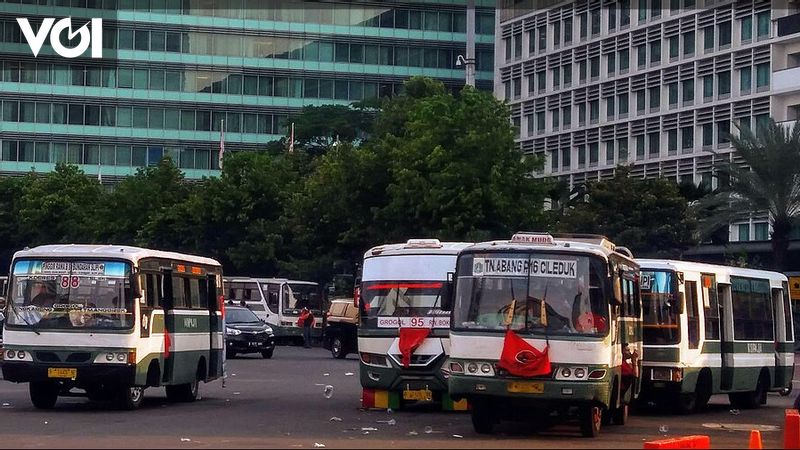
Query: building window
x=568 y=30
x=725 y=34
x=673 y=47
x=640 y=102
x=640 y=147
x=724 y=83
x=655 y=98
x=594 y=67
x=687 y=138
x=762 y=75
x=582 y=71
x=610 y=108
x=582 y=114
x=566 y=156
x=655 y=52
x=655 y=144
x=554 y=115
x=610 y=153
x=673 y=94
x=612 y=62
x=594 y=111
x=745 y=80
x=708 y=87
x=556 y=78
x=612 y=18
x=708 y=135
x=554 y=161
x=641 y=56
x=567 y=68
x=542 y=34
x=594 y=150
x=763 y=24
x=581 y=156
x=672 y=141
x=567 y=116
x=624 y=60
x=622 y=150
x=595 y=22
x=744 y=232
x=761 y=231
x=708 y=38
x=747 y=29
x=583 y=25
x=688 y=91
x=723 y=132
x=643 y=7
x=624 y=13
x=623 y=104
x=688 y=43
x=557 y=34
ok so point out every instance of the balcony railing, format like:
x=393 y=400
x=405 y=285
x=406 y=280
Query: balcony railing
x=786 y=79
x=789 y=25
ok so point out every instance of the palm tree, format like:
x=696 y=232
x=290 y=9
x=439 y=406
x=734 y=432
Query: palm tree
x=769 y=181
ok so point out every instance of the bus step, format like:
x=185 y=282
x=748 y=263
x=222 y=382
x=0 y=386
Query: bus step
x=449 y=405
x=379 y=399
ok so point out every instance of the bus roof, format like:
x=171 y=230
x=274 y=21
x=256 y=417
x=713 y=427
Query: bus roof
x=232 y=279
x=417 y=247
x=726 y=271
x=597 y=245
x=93 y=251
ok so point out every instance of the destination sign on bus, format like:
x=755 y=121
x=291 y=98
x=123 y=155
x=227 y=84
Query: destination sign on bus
x=518 y=267
x=413 y=322
x=531 y=238
x=76 y=268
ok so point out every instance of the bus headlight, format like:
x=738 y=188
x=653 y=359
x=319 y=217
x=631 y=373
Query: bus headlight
x=374 y=359
x=572 y=373
x=486 y=368
x=456 y=367
x=10 y=354
x=109 y=357
x=472 y=367
x=580 y=372
x=21 y=354
x=122 y=357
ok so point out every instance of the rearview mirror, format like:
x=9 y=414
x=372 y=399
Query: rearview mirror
x=617 y=297
x=446 y=293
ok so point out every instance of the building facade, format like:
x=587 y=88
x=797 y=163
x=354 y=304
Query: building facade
x=174 y=72
x=653 y=84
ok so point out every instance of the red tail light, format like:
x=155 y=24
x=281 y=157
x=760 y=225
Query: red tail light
x=356 y=296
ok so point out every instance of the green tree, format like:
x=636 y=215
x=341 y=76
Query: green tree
x=455 y=170
x=318 y=128
x=58 y=207
x=10 y=195
x=648 y=216
x=125 y=211
x=768 y=181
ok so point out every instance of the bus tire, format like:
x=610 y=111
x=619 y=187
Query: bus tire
x=130 y=397
x=704 y=389
x=43 y=394
x=483 y=418
x=337 y=348
x=686 y=403
x=591 y=420
x=754 y=399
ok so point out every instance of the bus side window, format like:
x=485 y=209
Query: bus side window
x=202 y=292
x=273 y=295
x=787 y=313
x=153 y=294
x=692 y=314
x=194 y=294
x=187 y=293
x=711 y=306
x=178 y=294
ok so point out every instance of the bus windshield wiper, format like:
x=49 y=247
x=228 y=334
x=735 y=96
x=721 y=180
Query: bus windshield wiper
x=32 y=326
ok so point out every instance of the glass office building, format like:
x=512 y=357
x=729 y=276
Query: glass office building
x=174 y=71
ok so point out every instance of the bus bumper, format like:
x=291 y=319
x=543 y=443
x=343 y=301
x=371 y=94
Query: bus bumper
x=553 y=393
x=397 y=378
x=85 y=374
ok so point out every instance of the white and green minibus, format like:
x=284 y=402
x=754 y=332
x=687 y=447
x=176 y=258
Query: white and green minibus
x=404 y=290
x=112 y=320
x=278 y=302
x=574 y=298
x=711 y=329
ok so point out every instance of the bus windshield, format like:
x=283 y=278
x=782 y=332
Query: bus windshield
x=547 y=293
x=302 y=295
x=58 y=294
x=401 y=299
x=660 y=306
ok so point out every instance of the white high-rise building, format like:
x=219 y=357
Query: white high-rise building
x=653 y=84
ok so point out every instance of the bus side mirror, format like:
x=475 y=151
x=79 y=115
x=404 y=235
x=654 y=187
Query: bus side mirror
x=678 y=306
x=617 y=297
x=446 y=299
x=136 y=291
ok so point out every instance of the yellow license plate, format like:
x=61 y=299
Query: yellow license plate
x=525 y=387
x=424 y=395
x=59 y=372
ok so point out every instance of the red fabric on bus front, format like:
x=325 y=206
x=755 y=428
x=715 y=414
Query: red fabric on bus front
x=167 y=343
x=410 y=339
x=522 y=359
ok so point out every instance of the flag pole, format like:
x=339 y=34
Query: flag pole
x=291 y=140
x=221 y=142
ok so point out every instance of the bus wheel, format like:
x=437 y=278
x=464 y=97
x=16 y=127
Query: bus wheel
x=591 y=419
x=483 y=418
x=620 y=415
x=686 y=403
x=130 y=397
x=337 y=348
x=43 y=394
x=183 y=392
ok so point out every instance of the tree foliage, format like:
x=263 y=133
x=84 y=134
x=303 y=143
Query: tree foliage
x=648 y=216
x=767 y=180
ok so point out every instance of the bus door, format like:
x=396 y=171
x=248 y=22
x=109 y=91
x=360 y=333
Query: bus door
x=214 y=327
x=272 y=296
x=726 y=336
x=784 y=339
x=169 y=324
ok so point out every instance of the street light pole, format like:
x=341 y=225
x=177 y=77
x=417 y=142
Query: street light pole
x=470 y=59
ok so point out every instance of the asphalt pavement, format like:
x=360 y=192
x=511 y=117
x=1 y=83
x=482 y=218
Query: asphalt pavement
x=282 y=403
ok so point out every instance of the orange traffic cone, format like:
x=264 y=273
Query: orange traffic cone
x=755 y=439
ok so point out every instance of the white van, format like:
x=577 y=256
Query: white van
x=278 y=301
